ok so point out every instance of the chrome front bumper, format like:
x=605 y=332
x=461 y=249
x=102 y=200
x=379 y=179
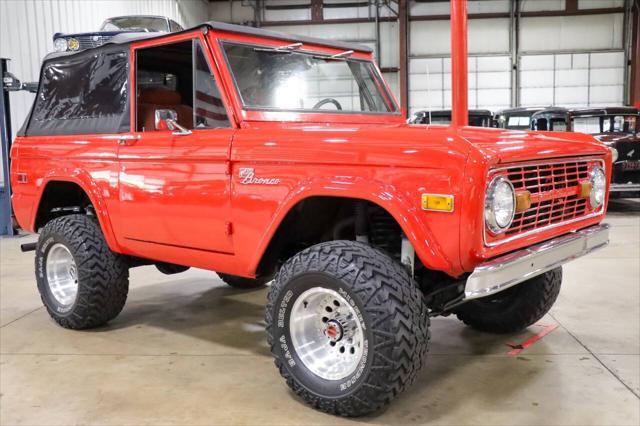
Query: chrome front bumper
x=506 y=271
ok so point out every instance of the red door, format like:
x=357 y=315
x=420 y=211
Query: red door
x=174 y=189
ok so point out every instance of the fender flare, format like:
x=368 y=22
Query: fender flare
x=404 y=211
x=84 y=180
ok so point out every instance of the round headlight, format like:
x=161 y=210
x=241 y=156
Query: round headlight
x=598 y=181
x=60 y=44
x=499 y=205
x=73 y=44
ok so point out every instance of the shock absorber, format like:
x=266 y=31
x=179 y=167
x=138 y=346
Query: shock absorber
x=362 y=233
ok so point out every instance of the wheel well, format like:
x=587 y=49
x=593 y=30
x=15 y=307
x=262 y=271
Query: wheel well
x=60 y=198
x=319 y=219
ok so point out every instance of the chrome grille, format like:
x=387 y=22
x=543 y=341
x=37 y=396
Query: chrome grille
x=91 y=41
x=548 y=177
x=555 y=195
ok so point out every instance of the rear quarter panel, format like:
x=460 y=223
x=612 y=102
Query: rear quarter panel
x=88 y=160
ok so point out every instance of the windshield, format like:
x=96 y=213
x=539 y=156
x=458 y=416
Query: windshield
x=518 y=122
x=606 y=124
x=142 y=23
x=267 y=78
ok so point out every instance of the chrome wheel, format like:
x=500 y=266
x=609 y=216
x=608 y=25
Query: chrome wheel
x=326 y=333
x=62 y=274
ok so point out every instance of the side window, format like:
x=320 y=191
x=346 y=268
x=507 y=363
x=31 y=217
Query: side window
x=209 y=111
x=558 y=125
x=177 y=77
x=541 y=124
x=83 y=93
x=174 y=27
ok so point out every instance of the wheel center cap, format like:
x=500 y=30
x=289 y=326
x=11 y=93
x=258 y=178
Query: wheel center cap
x=333 y=330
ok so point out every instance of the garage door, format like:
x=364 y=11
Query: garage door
x=573 y=79
x=430 y=83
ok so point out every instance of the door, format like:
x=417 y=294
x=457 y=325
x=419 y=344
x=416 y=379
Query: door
x=174 y=185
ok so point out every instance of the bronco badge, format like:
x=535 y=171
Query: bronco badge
x=248 y=177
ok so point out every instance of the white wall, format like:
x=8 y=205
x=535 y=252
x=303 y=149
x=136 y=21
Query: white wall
x=27 y=27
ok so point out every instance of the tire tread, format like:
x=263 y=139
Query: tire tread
x=400 y=322
x=103 y=275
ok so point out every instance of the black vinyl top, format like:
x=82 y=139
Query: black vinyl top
x=126 y=38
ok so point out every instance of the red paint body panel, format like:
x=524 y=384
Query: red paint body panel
x=180 y=199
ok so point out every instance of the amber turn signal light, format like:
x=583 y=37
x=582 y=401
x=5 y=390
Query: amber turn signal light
x=585 y=189
x=437 y=202
x=523 y=201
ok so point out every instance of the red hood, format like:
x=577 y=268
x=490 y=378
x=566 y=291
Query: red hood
x=502 y=145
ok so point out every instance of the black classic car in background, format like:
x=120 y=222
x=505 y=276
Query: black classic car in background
x=112 y=27
x=617 y=127
x=515 y=118
x=477 y=117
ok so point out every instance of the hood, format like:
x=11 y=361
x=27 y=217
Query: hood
x=415 y=145
x=101 y=33
x=612 y=139
x=501 y=146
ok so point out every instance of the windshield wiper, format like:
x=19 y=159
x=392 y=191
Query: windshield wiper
x=340 y=55
x=337 y=57
x=288 y=48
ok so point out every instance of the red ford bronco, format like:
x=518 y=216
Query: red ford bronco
x=272 y=158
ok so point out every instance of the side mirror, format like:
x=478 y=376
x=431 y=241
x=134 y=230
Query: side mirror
x=167 y=119
x=162 y=118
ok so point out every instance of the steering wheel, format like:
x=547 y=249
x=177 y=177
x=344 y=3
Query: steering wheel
x=328 y=101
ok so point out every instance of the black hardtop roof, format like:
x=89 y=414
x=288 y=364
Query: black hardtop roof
x=555 y=111
x=603 y=111
x=447 y=112
x=126 y=38
x=518 y=110
x=582 y=112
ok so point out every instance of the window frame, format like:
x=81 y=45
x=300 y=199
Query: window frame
x=211 y=62
x=216 y=37
x=376 y=77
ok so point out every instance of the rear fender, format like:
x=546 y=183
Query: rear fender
x=84 y=180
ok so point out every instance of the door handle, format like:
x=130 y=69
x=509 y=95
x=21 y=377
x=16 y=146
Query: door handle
x=126 y=141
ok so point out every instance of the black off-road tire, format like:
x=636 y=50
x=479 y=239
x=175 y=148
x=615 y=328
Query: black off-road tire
x=103 y=276
x=391 y=306
x=516 y=308
x=242 y=282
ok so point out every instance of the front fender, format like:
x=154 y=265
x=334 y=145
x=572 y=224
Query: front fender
x=398 y=195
